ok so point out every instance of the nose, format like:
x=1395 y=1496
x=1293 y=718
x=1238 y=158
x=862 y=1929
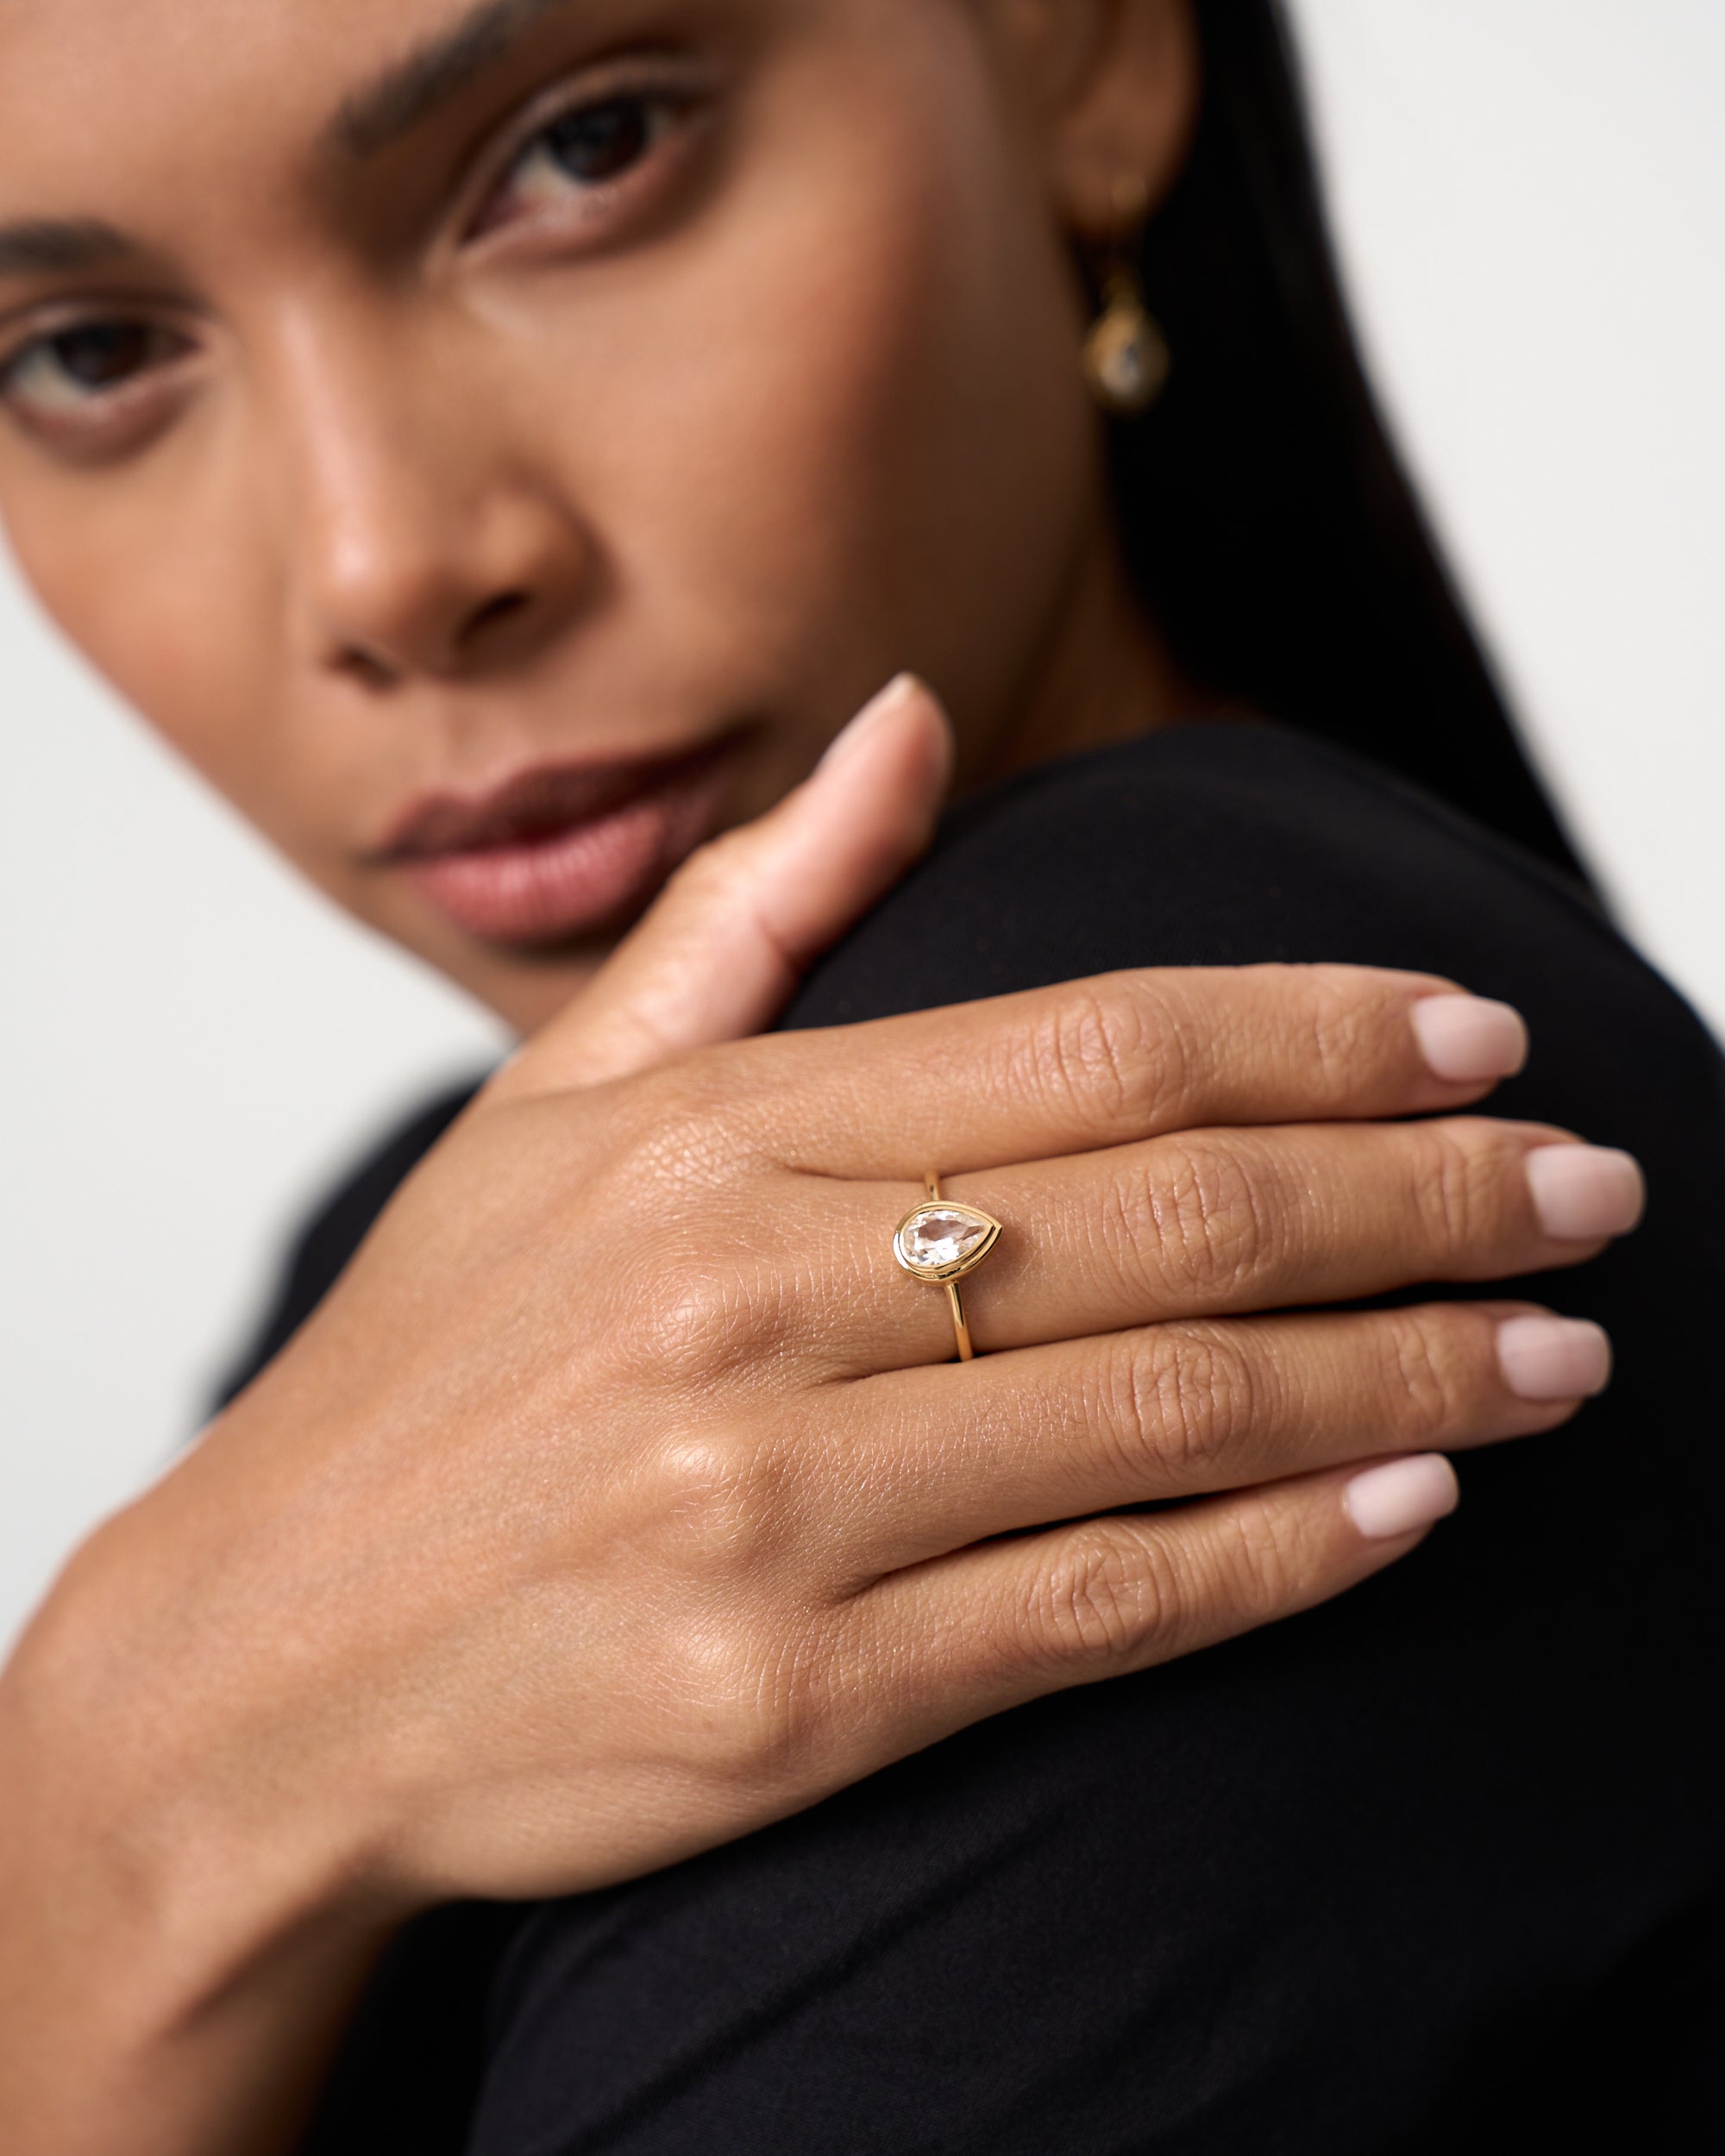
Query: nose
x=420 y=545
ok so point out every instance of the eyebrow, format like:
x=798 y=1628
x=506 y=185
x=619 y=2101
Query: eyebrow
x=430 y=74
x=42 y=245
x=369 y=121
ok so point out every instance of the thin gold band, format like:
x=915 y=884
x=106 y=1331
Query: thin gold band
x=960 y=1324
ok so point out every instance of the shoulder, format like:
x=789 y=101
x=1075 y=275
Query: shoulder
x=1228 y=842
x=1242 y=843
x=1310 y=1867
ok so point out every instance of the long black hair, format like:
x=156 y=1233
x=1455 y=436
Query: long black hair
x=1264 y=512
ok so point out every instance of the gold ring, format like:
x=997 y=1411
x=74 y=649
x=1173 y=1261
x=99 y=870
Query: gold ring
x=941 y=1242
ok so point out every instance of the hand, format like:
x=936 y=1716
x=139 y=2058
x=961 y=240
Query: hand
x=731 y=1547
x=623 y=1498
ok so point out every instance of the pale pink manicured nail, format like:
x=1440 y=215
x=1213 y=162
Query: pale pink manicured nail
x=1466 y=1040
x=1554 y=1358
x=1583 y=1192
x=1401 y=1496
x=901 y=687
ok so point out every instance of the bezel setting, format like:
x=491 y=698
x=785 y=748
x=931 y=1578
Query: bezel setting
x=956 y=1268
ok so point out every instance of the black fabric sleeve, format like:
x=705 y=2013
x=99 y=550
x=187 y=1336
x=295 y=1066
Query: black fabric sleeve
x=322 y=1249
x=1441 y=1862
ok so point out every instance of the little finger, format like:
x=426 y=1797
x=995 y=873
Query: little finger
x=991 y=1627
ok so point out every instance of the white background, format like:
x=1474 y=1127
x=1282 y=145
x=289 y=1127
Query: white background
x=1529 y=195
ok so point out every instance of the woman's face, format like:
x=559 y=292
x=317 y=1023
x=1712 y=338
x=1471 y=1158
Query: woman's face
x=499 y=445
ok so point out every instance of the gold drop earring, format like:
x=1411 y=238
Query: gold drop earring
x=1126 y=358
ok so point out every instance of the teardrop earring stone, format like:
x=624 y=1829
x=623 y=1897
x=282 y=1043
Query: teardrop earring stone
x=1126 y=359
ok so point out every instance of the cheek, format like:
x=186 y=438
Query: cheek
x=168 y=596
x=910 y=453
x=832 y=429
x=840 y=425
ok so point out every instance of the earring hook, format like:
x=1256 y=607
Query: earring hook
x=1126 y=359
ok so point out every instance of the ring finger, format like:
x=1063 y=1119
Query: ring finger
x=1212 y=1223
x=1187 y=1409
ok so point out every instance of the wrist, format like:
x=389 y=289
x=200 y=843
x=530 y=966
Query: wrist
x=182 y=1926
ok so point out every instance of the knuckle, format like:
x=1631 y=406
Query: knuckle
x=1115 y=1598
x=757 y=1698
x=1212 y=1396
x=1085 y=1051
x=728 y=1503
x=1167 y=1047
x=750 y=1662
x=650 y=1138
x=1176 y=1406
x=1455 y=1183
x=1198 y=1220
x=689 y=1297
x=1423 y=1374
x=693 y=1320
x=1340 y=1028
x=1104 y=1591
x=1266 y=1558
x=676 y=1125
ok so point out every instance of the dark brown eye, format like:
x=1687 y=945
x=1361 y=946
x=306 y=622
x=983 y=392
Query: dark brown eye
x=585 y=162
x=600 y=142
x=88 y=371
x=97 y=355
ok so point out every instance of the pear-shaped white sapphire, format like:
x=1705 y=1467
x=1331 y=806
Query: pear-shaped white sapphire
x=940 y=1236
x=944 y=1237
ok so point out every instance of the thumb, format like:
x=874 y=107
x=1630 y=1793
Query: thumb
x=721 y=950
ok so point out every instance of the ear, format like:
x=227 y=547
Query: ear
x=1115 y=86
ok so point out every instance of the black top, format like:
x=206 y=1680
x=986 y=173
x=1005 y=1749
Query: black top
x=1444 y=1857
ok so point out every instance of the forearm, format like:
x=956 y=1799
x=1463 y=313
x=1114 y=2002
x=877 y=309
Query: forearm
x=103 y=2050
x=172 y=1980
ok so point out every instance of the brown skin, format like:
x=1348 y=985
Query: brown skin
x=443 y=1608
x=844 y=278
x=444 y=1605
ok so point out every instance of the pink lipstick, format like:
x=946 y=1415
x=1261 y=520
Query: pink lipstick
x=561 y=852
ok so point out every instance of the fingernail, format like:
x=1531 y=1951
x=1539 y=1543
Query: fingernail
x=1466 y=1040
x=1401 y=1496
x=1554 y=1358
x=1583 y=1192
x=844 y=742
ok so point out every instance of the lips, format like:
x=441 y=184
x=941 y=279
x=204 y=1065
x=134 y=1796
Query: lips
x=562 y=852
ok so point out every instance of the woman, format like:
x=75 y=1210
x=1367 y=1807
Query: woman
x=498 y=445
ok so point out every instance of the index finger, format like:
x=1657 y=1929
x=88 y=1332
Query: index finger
x=1118 y=1058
